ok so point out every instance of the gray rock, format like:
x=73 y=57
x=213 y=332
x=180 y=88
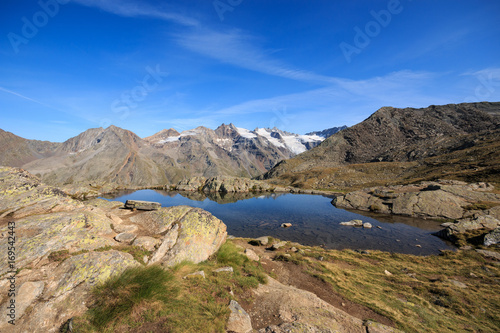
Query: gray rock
x=198 y=274
x=251 y=255
x=492 y=238
x=142 y=205
x=228 y=269
x=367 y=225
x=286 y=225
x=354 y=223
x=264 y=240
x=278 y=245
x=199 y=235
x=125 y=237
x=239 y=321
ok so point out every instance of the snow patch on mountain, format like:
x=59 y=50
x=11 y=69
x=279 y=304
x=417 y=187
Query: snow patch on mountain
x=245 y=133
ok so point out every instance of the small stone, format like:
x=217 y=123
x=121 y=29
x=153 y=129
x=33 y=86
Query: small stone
x=251 y=255
x=458 y=284
x=228 y=269
x=125 y=237
x=387 y=273
x=321 y=258
x=142 y=205
x=466 y=248
x=379 y=227
x=286 y=225
x=367 y=225
x=343 y=304
x=276 y=246
x=293 y=249
x=198 y=274
x=418 y=245
x=145 y=259
x=473 y=275
x=355 y=223
x=239 y=321
x=264 y=240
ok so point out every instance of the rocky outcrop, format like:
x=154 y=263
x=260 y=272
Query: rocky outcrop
x=224 y=184
x=440 y=199
x=64 y=247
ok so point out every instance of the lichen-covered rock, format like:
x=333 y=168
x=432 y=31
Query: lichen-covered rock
x=62 y=292
x=22 y=194
x=162 y=220
x=199 y=235
x=39 y=236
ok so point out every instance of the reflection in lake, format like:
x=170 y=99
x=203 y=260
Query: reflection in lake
x=315 y=220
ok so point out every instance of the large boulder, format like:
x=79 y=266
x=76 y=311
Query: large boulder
x=190 y=234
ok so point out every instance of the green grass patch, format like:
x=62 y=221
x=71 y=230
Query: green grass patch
x=163 y=300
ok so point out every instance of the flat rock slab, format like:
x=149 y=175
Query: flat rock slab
x=142 y=205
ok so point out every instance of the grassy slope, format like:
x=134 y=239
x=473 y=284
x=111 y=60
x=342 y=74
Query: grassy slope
x=420 y=295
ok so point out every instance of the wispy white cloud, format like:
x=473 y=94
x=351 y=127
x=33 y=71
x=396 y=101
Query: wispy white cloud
x=138 y=9
x=398 y=88
x=26 y=97
x=239 y=49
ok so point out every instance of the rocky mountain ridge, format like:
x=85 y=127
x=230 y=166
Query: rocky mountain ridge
x=408 y=140
x=118 y=156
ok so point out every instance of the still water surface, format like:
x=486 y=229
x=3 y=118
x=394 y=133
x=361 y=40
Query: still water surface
x=315 y=220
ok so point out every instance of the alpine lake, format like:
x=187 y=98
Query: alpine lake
x=315 y=221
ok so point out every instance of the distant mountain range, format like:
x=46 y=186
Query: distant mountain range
x=459 y=141
x=115 y=155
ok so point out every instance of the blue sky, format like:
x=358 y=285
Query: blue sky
x=70 y=65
